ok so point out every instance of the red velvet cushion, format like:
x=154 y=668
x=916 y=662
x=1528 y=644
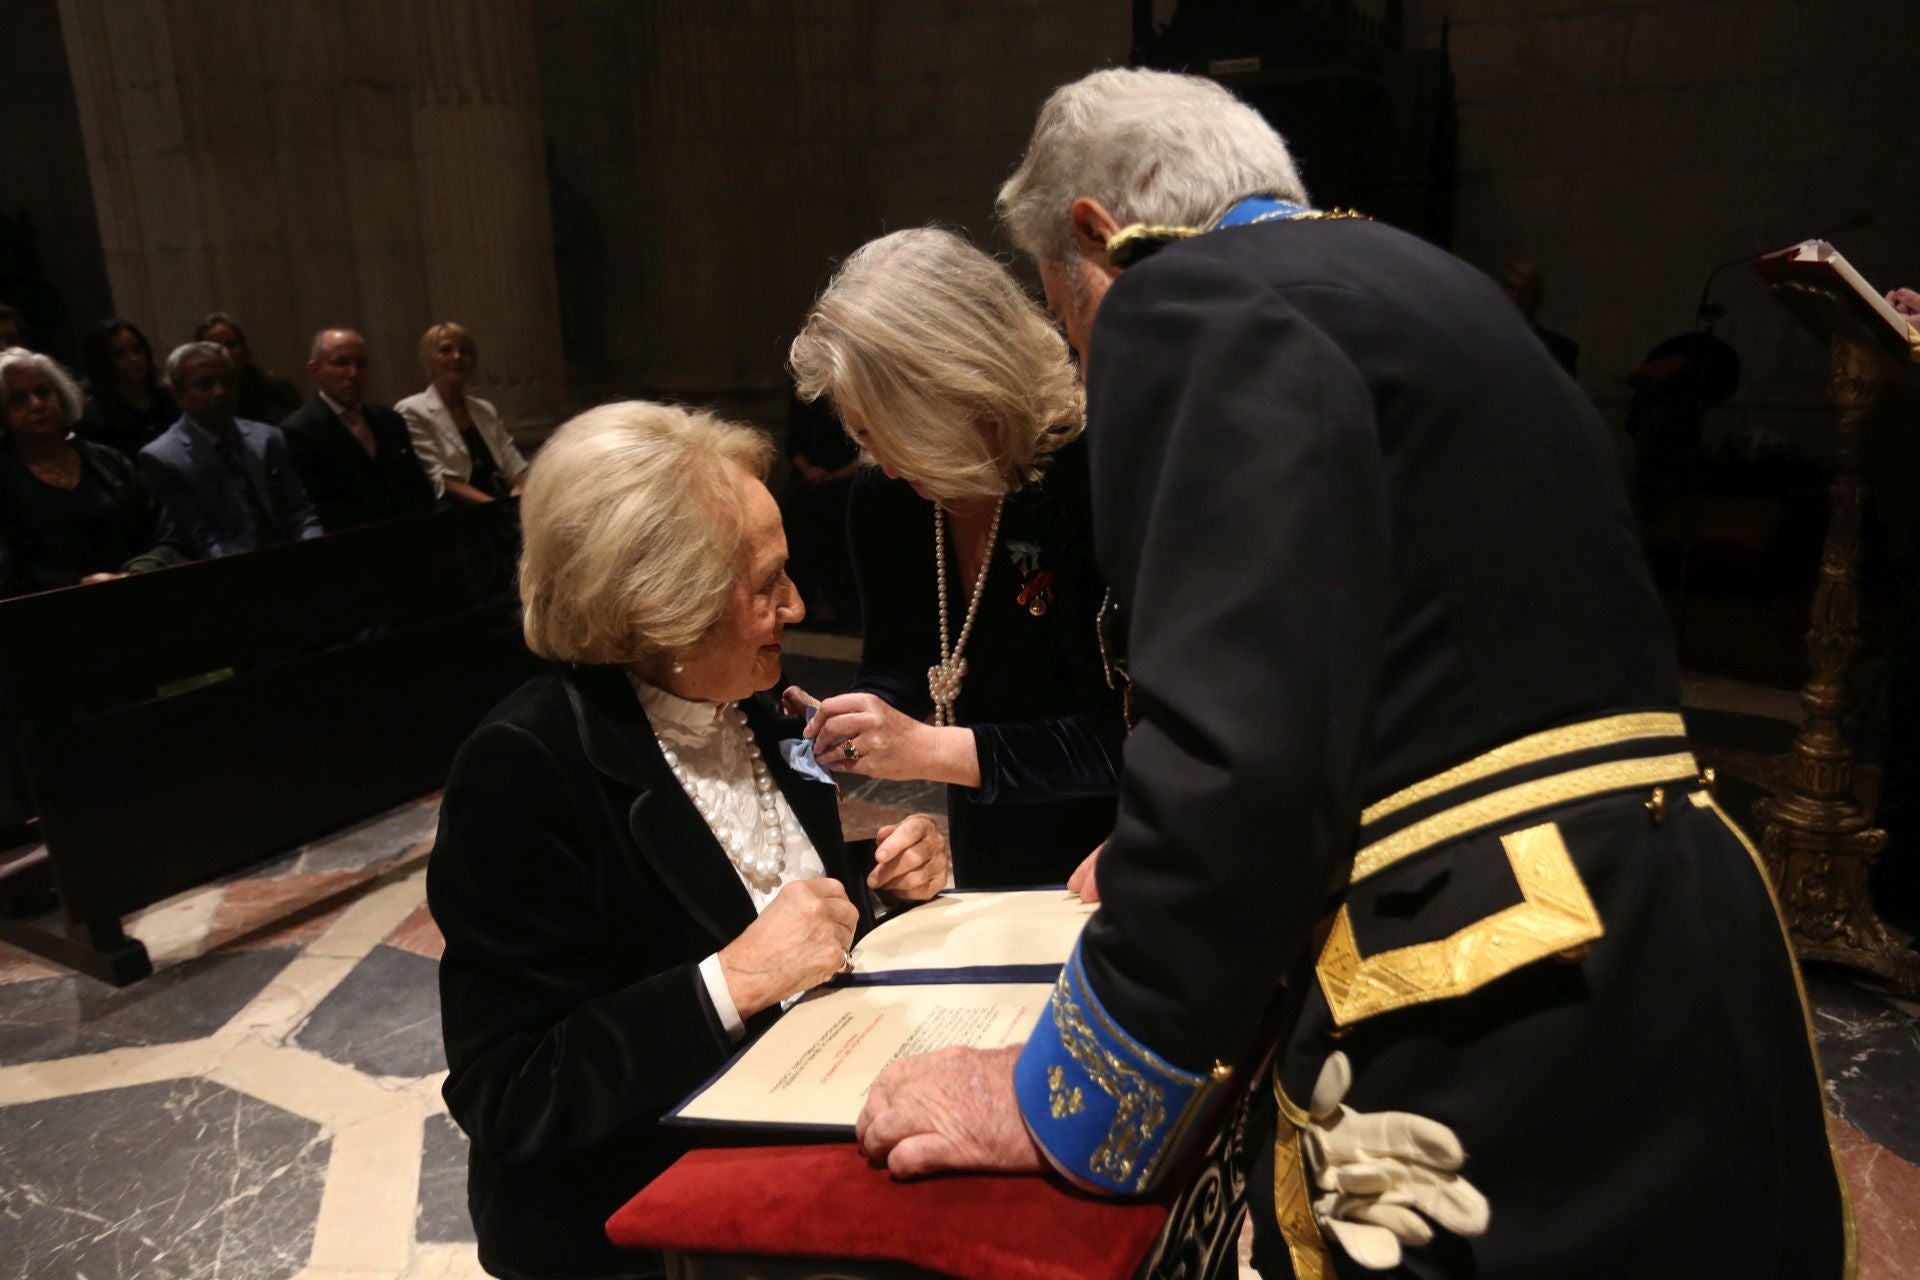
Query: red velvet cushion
x=827 y=1202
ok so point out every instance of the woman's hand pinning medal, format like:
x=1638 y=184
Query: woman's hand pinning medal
x=861 y=734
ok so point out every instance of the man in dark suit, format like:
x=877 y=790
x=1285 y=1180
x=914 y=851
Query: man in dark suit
x=1526 y=284
x=1408 y=780
x=355 y=458
x=229 y=483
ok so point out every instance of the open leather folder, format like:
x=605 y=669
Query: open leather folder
x=968 y=968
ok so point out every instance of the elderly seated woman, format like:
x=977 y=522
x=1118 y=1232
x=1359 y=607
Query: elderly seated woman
x=630 y=878
x=71 y=511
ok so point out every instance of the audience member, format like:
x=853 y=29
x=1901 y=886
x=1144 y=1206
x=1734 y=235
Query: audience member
x=604 y=955
x=354 y=457
x=71 y=511
x=260 y=395
x=1526 y=284
x=821 y=463
x=230 y=483
x=465 y=452
x=13 y=327
x=126 y=405
x=1681 y=378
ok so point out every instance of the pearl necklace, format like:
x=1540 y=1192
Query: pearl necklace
x=944 y=677
x=763 y=860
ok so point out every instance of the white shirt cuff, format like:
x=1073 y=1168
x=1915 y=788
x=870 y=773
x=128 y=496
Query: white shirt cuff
x=722 y=998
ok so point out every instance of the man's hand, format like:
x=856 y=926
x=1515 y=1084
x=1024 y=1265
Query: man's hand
x=1082 y=880
x=1907 y=303
x=954 y=1109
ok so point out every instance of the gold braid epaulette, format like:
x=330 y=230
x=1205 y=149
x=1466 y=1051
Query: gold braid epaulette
x=1142 y=240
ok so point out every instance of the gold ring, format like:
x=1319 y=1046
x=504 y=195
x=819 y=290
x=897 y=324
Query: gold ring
x=846 y=961
x=848 y=751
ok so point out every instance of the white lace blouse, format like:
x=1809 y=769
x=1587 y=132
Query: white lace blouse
x=716 y=755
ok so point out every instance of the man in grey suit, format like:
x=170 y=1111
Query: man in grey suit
x=230 y=483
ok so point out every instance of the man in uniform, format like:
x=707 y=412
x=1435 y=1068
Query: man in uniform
x=1408 y=767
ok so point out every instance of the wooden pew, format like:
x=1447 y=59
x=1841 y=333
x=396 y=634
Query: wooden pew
x=177 y=724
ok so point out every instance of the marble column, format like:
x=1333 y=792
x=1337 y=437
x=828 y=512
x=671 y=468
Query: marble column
x=319 y=162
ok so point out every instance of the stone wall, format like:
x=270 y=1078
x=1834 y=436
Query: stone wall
x=711 y=162
x=1631 y=145
x=318 y=162
x=44 y=186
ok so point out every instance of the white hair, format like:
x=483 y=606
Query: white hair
x=958 y=375
x=72 y=403
x=1150 y=146
x=632 y=530
x=189 y=351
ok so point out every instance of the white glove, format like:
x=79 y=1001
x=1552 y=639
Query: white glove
x=1377 y=1170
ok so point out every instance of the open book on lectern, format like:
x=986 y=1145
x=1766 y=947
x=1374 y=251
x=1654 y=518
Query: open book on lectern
x=1818 y=263
x=968 y=968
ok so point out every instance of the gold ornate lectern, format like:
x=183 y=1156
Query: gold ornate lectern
x=1817 y=839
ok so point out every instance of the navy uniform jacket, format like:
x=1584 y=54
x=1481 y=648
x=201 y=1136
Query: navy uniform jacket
x=1365 y=532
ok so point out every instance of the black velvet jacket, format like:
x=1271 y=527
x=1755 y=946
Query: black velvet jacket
x=45 y=541
x=579 y=890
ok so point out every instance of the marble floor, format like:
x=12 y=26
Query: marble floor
x=267 y=1106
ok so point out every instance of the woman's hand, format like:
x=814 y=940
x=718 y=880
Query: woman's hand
x=798 y=942
x=911 y=863
x=890 y=744
x=1906 y=302
x=1082 y=881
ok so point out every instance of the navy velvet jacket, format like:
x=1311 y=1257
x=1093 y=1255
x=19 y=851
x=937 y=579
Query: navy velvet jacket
x=1048 y=730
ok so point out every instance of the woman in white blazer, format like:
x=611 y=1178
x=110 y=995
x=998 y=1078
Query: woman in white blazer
x=462 y=447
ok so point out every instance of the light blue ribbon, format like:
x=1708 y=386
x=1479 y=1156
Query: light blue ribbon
x=798 y=753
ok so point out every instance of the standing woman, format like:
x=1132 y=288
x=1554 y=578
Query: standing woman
x=127 y=408
x=462 y=447
x=972 y=544
x=71 y=511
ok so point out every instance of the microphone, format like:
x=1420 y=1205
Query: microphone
x=1708 y=311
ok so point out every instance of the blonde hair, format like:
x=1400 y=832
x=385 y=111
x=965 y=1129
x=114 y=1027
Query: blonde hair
x=1151 y=146
x=958 y=375
x=430 y=341
x=633 y=531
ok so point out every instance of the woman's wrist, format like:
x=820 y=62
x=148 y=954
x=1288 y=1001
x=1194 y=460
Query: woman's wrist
x=952 y=756
x=748 y=991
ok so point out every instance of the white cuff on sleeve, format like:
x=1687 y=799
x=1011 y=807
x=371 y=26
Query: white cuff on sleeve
x=722 y=998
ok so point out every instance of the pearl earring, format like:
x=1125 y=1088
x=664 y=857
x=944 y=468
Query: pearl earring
x=677 y=668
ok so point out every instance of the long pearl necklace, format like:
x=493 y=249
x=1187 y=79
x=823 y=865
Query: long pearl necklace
x=944 y=677
x=762 y=859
